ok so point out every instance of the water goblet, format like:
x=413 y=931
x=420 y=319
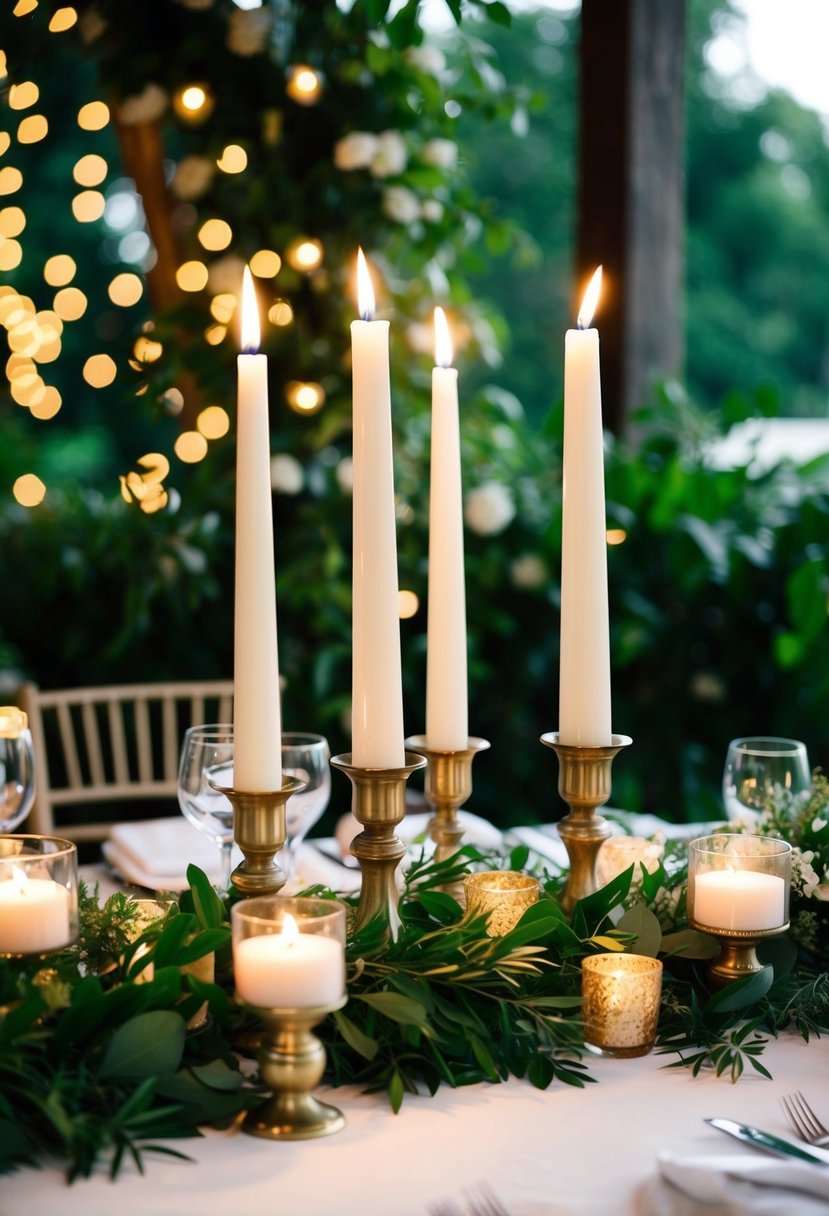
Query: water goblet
x=759 y=769
x=207 y=756
x=306 y=757
x=17 y=768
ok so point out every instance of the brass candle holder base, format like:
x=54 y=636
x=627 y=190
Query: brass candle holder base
x=738 y=951
x=379 y=803
x=291 y=1064
x=259 y=831
x=584 y=784
x=448 y=786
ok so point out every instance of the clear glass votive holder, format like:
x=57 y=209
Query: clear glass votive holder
x=289 y=953
x=38 y=895
x=504 y=894
x=739 y=883
x=620 y=1003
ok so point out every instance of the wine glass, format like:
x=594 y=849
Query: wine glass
x=760 y=768
x=17 y=768
x=207 y=756
x=306 y=757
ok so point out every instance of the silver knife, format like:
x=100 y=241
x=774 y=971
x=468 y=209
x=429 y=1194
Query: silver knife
x=766 y=1142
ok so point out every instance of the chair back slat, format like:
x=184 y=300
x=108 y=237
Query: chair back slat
x=111 y=745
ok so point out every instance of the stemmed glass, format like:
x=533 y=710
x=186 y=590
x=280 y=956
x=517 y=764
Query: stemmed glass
x=306 y=757
x=207 y=756
x=17 y=768
x=760 y=768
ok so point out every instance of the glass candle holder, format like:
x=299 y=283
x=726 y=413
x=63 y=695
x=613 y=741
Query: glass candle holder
x=38 y=894
x=289 y=963
x=620 y=1003
x=738 y=891
x=504 y=894
x=738 y=883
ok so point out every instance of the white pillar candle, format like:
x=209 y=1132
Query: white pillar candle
x=289 y=970
x=584 y=694
x=257 y=761
x=34 y=915
x=377 y=685
x=447 y=725
x=739 y=899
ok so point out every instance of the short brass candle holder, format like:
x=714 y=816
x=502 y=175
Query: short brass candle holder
x=447 y=787
x=584 y=784
x=289 y=963
x=738 y=893
x=378 y=802
x=259 y=831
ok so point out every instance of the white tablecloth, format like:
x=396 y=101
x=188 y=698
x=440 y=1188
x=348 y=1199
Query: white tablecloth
x=560 y=1152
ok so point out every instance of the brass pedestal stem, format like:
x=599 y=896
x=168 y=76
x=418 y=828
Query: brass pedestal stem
x=447 y=787
x=291 y=1064
x=378 y=802
x=584 y=784
x=259 y=831
x=738 y=951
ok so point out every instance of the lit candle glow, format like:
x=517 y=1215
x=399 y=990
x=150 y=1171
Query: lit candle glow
x=34 y=914
x=289 y=970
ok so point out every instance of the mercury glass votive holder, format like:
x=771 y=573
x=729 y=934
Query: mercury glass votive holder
x=738 y=891
x=620 y=1003
x=504 y=894
x=38 y=895
x=289 y=965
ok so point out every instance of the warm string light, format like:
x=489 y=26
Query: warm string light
x=304 y=85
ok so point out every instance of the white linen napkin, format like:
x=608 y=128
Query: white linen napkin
x=155 y=853
x=738 y=1185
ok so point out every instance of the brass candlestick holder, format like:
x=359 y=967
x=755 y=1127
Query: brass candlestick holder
x=448 y=786
x=738 y=951
x=584 y=784
x=378 y=802
x=291 y=1064
x=259 y=830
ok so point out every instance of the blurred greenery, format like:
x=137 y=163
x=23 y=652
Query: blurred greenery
x=718 y=591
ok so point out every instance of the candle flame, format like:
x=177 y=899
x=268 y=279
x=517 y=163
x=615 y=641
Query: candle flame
x=250 y=315
x=591 y=299
x=443 y=340
x=365 y=291
x=20 y=880
x=290 y=930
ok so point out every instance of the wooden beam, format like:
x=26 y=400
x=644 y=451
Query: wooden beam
x=631 y=191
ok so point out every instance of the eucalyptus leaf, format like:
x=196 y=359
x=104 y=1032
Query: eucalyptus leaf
x=647 y=934
x=146 y=1046
x=690 y=943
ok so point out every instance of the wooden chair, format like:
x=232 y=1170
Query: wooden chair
x=94 y=746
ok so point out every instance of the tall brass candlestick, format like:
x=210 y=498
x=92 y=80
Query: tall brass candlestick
x=584 y=784
x=259 y=830
x=379 y=803
x=448 y=786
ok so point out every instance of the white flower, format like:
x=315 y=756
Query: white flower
x=426 y=58
x=489 y=508
x=225 y=274
x=345 y=475
x=287 y=476
x=529 y=571
x=819 y=824
x=442 y=153
x=620 y=852
x=401 y=205
x=431 y=210
x=192 y=177
x=248 y=30
x=145 y=106
x=390 y=157
x=355 y=150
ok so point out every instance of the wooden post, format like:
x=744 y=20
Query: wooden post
x=631 y=194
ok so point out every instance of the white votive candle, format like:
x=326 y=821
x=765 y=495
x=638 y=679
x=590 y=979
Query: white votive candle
x=34 y=915
x=739 y=899
x=289 y=970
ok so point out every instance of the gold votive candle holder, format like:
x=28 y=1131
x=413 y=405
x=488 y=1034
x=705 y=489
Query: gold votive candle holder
x=289 y=967
x=504 y=894
x=738 y=892
x=620 y=1003
x=38 y=895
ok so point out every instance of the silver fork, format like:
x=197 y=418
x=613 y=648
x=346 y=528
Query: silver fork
x=804 y=1120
